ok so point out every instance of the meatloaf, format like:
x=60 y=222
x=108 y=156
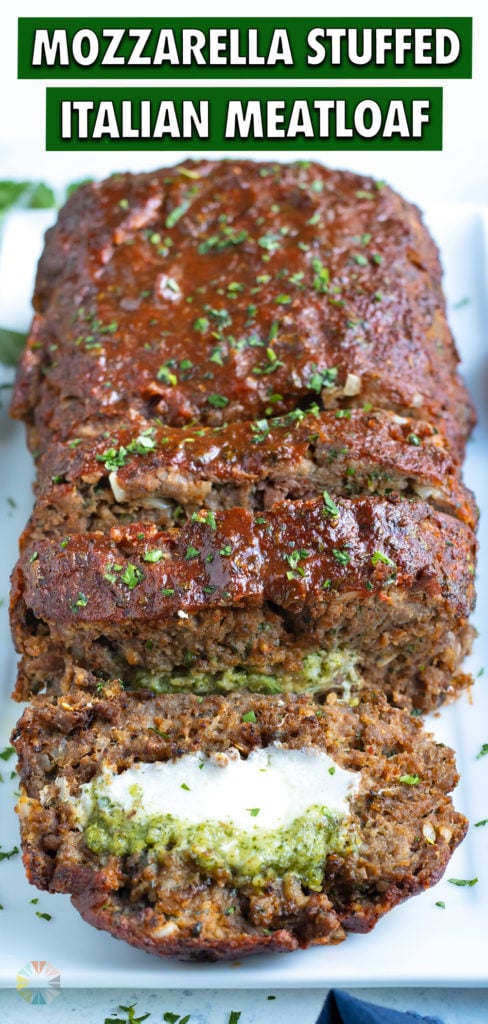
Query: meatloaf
x=214 y=291
x=307 y=596
x=164 y=475
x=176 y=886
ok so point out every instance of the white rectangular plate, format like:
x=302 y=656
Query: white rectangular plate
x=418 y=944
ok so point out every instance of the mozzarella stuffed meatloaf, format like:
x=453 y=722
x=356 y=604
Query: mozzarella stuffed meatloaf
x=242 y=395
x=216 y=827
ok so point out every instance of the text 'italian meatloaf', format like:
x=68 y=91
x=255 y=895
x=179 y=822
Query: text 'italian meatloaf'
x=303 y=597
x=217 y=827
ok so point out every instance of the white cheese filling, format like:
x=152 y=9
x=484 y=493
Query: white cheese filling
x=271 y=788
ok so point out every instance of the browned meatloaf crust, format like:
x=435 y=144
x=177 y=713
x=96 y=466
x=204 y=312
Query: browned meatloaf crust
x=163 y=474
x=389 y=579
x=407 y=831
x=216 y=291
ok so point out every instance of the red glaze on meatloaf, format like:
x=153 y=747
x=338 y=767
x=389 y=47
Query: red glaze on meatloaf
x=164 y=474
x=389 y=581
x=215 y=291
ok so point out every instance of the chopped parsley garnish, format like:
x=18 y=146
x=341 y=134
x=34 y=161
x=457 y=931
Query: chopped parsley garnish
x=332 y=770
x=184 y=786
x=110 y=571
x=43 y=916
x=7 y=854
x=201 y=325
x=154 y=555
x=482 y=823
x=234 y=1016
x=191 y=553
x=113 y=458
x=176 y=214
x=253 y=811
x=273 y=364
x=167 y=591
x=378 y=556
x=206 y=517
x=80 y=602
x=260 y=431
x=132 y=1019
x=483 y=752
x=322 y=277
x=341 y=556
x=249 y=716
x=322 y=378
x=167 y=377
x=224 y=240
x=218 y=401
x=361 y=260
x=293 y=559
x=463 y=881
x=271 y=241
x=441 y=904
x=410 y=780
x=7 y=753
x=414 y=439
x=283 y=300
x=226 y=550
x=330 y=507
x=132 y=576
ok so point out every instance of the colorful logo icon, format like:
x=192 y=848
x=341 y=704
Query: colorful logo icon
x=38 y=982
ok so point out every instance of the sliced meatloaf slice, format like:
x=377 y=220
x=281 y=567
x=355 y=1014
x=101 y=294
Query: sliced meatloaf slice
x=165 y=475
x=212 y=290
x=306 y=596
x=209 y=879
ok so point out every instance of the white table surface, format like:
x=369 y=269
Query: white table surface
x=209 y=1006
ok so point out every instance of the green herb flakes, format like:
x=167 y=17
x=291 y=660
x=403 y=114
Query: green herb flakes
x=218 y=401
x=7 y=753
x=482 y=752
x=191 y=552
x=378 y=557
x=249 y=716
x=8 y=854
x=410 y=780
x=153 y=555
x=341 y=556
x=205 y=516
x=132 y=576
x=330 y=507
x=176 y=214
x=463 y=881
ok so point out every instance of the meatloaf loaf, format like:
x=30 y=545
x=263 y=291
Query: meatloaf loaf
x=216 y=291
x=164 y=475
x=226 y=879
x=307 y=596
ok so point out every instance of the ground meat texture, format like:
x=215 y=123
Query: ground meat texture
x=215 y=291
x=389 y=579
x=165 y=475
x=407 y=831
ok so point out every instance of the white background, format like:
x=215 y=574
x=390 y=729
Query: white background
x=458 y=175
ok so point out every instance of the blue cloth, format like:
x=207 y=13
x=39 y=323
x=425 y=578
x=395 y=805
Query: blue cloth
x=341 y=1008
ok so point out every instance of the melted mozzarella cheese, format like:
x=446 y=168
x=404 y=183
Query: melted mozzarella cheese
x=269 y=789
